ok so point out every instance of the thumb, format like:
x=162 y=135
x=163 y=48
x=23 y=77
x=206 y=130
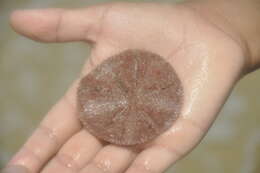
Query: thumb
x=59 y=25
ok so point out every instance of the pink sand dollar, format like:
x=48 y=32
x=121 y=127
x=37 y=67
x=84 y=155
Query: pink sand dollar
x=130 y=98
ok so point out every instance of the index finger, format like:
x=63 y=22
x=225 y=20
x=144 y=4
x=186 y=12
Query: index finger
x=56 y=128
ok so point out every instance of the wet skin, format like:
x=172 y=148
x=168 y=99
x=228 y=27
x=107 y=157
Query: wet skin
x=208 y=55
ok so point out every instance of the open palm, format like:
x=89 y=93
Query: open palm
x=208 y=61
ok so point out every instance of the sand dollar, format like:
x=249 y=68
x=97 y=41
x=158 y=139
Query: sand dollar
x=130 y=98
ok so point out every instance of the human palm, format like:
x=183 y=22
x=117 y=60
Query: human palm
x=207 y=59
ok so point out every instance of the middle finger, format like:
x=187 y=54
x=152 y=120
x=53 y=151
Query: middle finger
x=111 y=158
x=77 y=152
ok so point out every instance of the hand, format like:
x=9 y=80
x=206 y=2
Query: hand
x=208 y=59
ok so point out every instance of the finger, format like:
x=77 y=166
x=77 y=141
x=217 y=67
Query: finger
x=59 y=25
x=56 y=128
x=168 y=148
x=58 y=125
x=110 y=159
x=79 y=150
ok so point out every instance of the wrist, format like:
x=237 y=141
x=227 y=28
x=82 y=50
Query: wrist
x=239 y=19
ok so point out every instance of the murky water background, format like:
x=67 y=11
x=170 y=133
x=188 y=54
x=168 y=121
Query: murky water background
x=33 y=76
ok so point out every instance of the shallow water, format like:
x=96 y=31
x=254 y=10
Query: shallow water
x=33 y=76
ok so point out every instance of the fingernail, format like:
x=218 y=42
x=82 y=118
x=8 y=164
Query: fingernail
x=15 y=169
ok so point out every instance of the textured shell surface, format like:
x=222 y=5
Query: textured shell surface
x=130 y=98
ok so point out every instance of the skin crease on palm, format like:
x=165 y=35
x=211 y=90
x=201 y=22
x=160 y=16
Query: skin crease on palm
x=208 y=59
